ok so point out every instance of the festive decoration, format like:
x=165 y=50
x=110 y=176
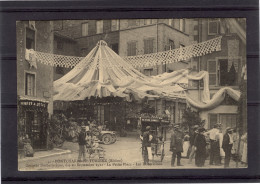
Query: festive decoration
x=139 y=61
x=103 y=73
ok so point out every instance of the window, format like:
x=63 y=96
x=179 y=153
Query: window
x=226 y=120
x=213 y=26
x=99 y=26
x=148 y=46
x=83 y=52
x=59 y=70
x=131 y=22
x=29 y=84
x=213 y=119
x=114 y=47
x=30 y=39
x=59 y=45
x=212 y=69
x=223 y=72
x=147 y=21
x=171 y=44
x=131 y=49
x=114 y=25
x=182 y=25
x=148 y=72
x=227 y=73
x=84 y=29
x=170 y=22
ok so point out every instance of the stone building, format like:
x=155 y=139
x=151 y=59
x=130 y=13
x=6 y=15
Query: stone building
x=34 y=81
x=224 y=67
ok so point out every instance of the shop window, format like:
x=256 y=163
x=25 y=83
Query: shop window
x=30 y=39
x=212 y=69
x=148 y=46
x=131 y=48
x=148 y=72
x=147 y=21
x=29 y=84
x=114 y=25
x=99 y=26
x=182 y=25
x=132 y=22
x=84 y=29
x=115 y=47
x=213 y=26
x=226 y=120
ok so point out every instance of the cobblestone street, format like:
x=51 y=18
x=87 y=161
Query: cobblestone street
x=124 y=154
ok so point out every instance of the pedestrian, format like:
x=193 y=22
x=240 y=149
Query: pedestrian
x=186 y=145
x=244 y=152
x=176 y=145
x=146 y=144
x=82 y=144
x=28 y=150
x=194 y=133
x=200 y=147
x=214 y=156
x=227 y=145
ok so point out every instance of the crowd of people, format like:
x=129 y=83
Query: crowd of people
x=199 y=144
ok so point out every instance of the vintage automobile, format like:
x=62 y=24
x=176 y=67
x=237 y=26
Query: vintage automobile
x=104 y=136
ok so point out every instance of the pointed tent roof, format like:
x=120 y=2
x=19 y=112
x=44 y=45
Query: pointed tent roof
x=103 y=73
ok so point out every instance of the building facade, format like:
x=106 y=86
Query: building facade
x=34 y=81
x=224 y=68
x=130 y=37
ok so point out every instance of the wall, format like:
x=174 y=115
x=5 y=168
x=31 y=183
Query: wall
x=44 y=73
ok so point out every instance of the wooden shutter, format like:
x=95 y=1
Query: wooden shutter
x=212 y=69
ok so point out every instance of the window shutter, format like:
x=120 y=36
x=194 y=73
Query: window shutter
x=212 y=69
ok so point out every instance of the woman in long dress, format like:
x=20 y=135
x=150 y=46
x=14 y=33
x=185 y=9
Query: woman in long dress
x=244 y=153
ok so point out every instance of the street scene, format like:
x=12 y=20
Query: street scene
x=131 y=94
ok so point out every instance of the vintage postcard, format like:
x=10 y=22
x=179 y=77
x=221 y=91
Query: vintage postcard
x=131 y=94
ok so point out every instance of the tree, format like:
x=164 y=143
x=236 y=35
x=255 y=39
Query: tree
x=191 y=118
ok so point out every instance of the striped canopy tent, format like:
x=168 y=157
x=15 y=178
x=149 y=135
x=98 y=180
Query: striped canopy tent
x=103 y=73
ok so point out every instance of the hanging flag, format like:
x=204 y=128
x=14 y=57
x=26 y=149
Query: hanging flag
x=31 y=58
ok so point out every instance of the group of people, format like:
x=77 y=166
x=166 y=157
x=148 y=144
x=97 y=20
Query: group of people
x=86 y=141
x=198 y=139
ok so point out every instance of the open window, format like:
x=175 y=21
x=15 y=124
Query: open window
x=30 y=38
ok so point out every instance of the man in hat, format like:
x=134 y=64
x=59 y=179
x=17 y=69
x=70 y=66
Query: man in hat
x=194 y=133
x=214 y=145
x=176 y=145
x=146 y=144
x=227 y=145
x=200 y=147
x=82 y=143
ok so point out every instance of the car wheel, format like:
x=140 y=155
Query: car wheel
x=107 y=139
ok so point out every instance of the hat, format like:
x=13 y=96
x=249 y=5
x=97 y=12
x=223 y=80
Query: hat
x=229 y=129
x=201 y=129
x=196 y=126
x=148 y=128
x=176 y=126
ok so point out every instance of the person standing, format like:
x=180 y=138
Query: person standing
x=214 y=145
x=192 y=138
x=176 y=145
x=227 y=145
x=82 y=144
x=146 y=144
x=200 y=147
x=244 y=152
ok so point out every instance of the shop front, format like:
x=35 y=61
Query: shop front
x=33 y=118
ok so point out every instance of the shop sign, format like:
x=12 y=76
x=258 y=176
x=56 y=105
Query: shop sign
x=33 y=103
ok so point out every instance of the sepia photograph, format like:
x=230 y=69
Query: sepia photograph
x=131 y=94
